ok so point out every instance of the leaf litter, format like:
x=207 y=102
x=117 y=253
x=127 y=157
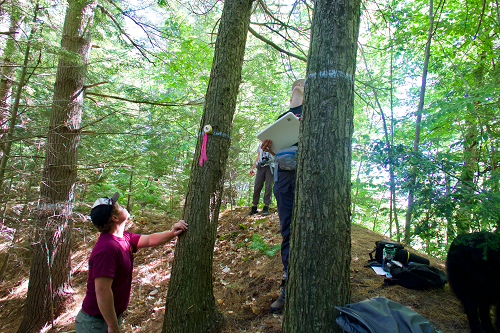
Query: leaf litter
x=247 y=273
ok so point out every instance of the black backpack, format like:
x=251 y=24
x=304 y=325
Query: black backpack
x=379 y=249
x=381 y=315
x=417 y=276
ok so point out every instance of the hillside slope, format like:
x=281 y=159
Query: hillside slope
x=246 y=281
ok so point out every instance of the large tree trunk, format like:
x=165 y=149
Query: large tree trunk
x=320 y=249
x=50 y=269
x=190 y=302
x=416 y=140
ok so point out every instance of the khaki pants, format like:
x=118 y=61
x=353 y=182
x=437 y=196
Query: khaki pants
x=263 y=175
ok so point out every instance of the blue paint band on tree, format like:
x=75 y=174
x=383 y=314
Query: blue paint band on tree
x=224 y=135
x=334 y=74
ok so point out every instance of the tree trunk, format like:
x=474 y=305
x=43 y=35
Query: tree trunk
x=130 y=205
x=50 y=269
x=361 y=160
x=416 y=140
x=320 y=249
x=6 y=147
x=8 y=71
x=467 y=179
x=190 y=302
x=389 y=144
x=392 y=201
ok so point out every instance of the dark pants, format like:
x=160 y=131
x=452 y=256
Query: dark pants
x=284 y=191
x=263 y=175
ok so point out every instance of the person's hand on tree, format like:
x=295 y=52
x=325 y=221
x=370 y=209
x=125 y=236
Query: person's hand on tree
x=266 y=146
x=179 y=227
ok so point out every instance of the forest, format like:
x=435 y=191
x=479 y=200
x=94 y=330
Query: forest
x=99 y=96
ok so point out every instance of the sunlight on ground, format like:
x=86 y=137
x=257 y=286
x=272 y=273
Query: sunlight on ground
x=17 y=292
x=153 y=271
x=82 y=262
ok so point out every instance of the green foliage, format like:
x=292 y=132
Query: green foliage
x=142 y=145
x=259 y=244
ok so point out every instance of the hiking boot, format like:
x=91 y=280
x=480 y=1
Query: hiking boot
x=279 y=304
x=253 y=210
x=265 y=211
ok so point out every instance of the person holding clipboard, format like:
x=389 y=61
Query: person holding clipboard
x=284 y=192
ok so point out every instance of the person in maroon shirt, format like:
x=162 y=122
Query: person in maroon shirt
x=110 y=266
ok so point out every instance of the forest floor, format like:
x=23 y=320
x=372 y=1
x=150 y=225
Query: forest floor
x=246 y=281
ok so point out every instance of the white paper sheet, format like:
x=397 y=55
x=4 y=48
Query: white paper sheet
x=380 y=271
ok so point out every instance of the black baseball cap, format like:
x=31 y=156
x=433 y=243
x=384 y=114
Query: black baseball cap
x=101 y=210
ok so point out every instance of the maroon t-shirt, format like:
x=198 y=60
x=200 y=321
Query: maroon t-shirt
x=113 y=257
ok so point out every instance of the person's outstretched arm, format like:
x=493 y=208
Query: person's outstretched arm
x=160 y=238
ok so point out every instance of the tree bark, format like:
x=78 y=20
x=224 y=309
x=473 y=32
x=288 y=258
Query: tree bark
x=6 y=146
x=49 y=284
x=390 y=144
x=190 y=302
x=320 y=249
x=7 y=78
x=130 y=205
x=416 y=141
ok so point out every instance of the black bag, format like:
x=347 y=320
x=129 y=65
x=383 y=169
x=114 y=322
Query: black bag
x=379 y=249
x=417 y=276
x=381 y=315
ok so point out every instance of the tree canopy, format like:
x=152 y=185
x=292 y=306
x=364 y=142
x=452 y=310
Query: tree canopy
x=148 y=72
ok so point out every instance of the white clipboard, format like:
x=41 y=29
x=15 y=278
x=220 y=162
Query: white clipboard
x=284 y=132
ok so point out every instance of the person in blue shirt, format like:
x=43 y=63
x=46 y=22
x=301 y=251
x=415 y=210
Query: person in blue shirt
x=284 y=192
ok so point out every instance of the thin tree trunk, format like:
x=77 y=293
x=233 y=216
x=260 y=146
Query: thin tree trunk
x=129 y=197
x=190 y=300
x=49 y=285
x=355 y=199
x=498 y=15
x=378 y=211
x=8 y=71
x=416 y=140
x=389 y=147
x=392 y=202
x=320 y=250
x=15 y=107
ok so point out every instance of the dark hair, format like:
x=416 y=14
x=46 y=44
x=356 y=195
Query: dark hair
x=109 y=225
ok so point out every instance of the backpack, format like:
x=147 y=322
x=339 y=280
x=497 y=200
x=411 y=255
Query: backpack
x=381 y=315
x=286 y=159
x=417 y=276
x=379 y=249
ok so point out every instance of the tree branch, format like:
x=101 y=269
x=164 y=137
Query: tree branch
x=137 y=46
x=144 y=102
x=270 y=43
